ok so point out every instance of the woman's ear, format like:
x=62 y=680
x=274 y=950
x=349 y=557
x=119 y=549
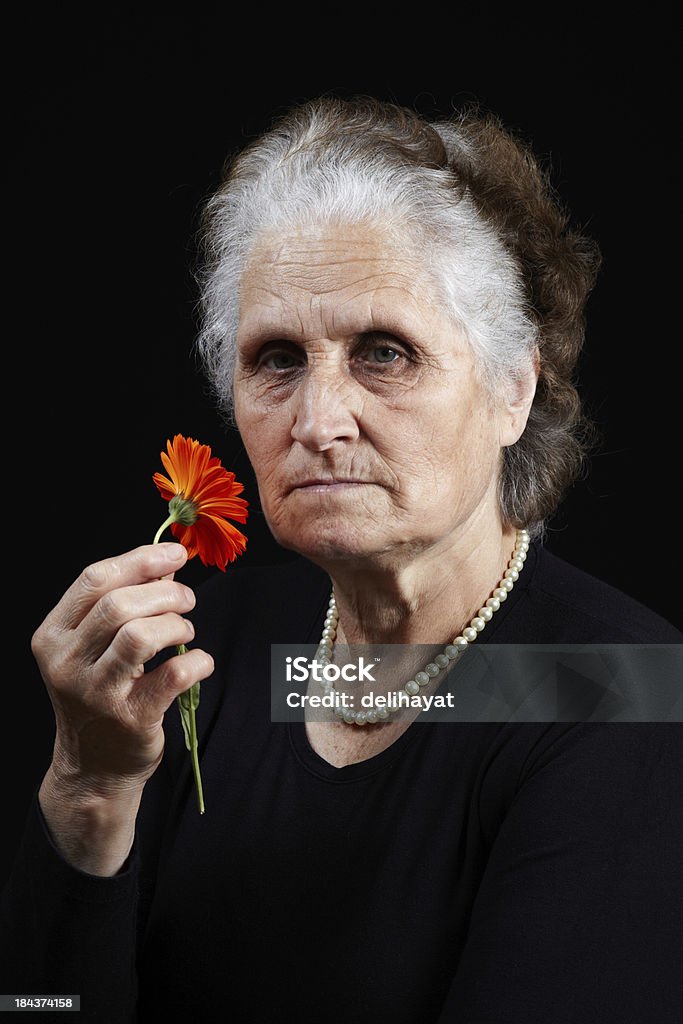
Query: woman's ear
x=519 y=397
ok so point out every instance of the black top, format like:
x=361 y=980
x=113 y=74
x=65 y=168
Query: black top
x=521 y=873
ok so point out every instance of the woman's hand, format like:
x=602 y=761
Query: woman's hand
x=91 y=650
x=109 y=740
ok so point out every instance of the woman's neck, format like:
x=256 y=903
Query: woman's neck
x=429 y=598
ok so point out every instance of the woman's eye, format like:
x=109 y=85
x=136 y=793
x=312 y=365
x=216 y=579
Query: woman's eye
x=383 y=354
x=279 y=361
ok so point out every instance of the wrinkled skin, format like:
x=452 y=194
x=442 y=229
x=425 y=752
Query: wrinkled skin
x=347 y=369
x=91 y=650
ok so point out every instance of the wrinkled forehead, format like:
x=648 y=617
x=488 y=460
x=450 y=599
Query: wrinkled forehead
x=338 y=281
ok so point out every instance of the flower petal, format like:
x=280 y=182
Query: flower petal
x=216 y=541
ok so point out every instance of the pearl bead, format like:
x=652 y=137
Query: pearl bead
x=422 y=678
x=469 y=633
x=361 y=717
x=411 y=688
x=507 y=584
x=441 y=660
x=372 y=717
x=477 y=623
x=493 y=603
x=382 y=713
x=451 y=652
x=329 y=633
x=486 y=614
x=500 y=593
x=460 y=642
x=348 y=715
x=512 y=574
x=432 y=669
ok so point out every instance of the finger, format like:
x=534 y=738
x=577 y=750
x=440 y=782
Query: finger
x=154 y=693
x=117 y=607
x=149 y=562
x=139 y=640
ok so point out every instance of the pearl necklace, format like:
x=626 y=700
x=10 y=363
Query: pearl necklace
x=450 y=653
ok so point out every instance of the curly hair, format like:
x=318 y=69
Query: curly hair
x=485 y=225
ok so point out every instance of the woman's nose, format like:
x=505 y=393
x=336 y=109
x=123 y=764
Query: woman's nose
x=324 y=409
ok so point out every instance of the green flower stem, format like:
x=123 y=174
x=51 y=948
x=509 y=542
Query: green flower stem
x=188 y=702
x=182 y=649
x=164 y=526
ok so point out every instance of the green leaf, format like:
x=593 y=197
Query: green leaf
x=188 y=703
x=194 y=696
x=185 y=719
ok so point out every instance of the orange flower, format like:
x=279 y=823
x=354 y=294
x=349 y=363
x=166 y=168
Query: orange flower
x=201 y=495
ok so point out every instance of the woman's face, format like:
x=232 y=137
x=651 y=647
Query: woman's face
x=358 y=402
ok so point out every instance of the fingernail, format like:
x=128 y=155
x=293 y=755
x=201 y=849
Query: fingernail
x=174 y=552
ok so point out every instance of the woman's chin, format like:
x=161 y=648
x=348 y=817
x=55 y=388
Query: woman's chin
x=331 y=544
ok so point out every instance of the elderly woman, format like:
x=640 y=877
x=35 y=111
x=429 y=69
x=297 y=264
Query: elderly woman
x=393 y=313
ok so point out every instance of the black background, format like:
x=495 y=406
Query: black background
x=119 y=123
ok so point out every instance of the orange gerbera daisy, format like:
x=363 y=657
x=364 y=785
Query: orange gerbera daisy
x=202 y=494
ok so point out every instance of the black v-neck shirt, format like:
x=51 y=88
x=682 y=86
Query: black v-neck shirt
x=470 y=873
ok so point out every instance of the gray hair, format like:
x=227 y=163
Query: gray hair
x=449 y=192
